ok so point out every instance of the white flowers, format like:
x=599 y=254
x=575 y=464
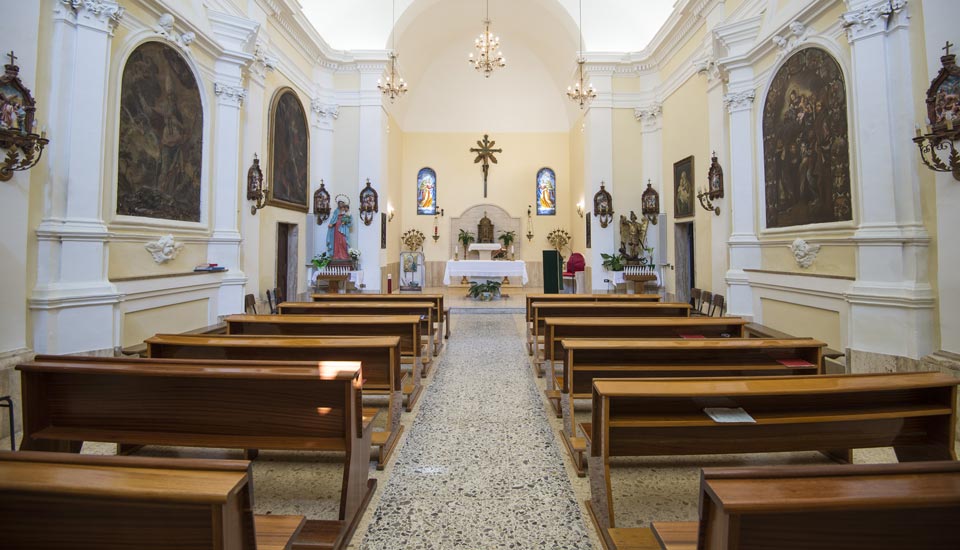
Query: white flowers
x=354 y=253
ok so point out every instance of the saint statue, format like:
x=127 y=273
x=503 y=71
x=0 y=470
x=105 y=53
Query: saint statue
x=338 y=232
x=633 y=234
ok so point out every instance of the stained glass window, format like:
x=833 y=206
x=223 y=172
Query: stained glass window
x=426 y=192
x=546 y=192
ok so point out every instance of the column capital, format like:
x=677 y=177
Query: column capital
x=324 y=113
x=229 y=95
x=650 y=116
x=871 y=17
x=739 y=101
x=101 y=15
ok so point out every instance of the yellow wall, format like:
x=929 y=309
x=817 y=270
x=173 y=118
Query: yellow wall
x=140 y=325
x=685 y=133
x=511 y=183
x=627 y=165
x=838 y=260
x=805 y=321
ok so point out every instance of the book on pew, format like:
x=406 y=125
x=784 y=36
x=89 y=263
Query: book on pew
x=795 y=363
x=725 y=415
x=209 y=268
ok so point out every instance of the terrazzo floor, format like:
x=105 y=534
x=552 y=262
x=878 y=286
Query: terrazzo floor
x=480 y=467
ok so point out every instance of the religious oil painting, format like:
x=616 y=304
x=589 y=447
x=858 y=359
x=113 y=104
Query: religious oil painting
x=290 y=144
x=426 y=192
x=546 y=192
x=806 y=157
x=161 y=136
x=683 y=188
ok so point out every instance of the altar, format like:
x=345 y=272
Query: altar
x=485 y=250
x=485 y=269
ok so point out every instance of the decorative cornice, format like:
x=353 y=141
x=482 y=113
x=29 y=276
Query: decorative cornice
x=263 y=59
x=229 y=95
x=739 y=101
x=710 y=67
x=871 y=18
x=106 y=14
x=324 y=110
x=165 y=29
x=650 y=116
x=798 y=34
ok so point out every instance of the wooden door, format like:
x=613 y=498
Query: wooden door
x=683 y=260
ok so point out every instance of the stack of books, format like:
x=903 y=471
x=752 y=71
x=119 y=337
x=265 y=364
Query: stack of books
x=208 y=268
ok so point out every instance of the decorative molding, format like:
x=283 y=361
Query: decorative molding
x=164 y=249
x=165 y=29
x=871 y=18
x=710 y=67
x=324 y=110
x=650 y=116
x=798 y=34
x=739 y=101
x=230 y=95
x=104 y=12
x=804 y=253
x=263 y=60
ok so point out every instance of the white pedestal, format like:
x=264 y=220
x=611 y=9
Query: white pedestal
x=485 y=250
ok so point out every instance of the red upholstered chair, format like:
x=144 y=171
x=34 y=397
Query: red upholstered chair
x=574 y=264
x=574 y=274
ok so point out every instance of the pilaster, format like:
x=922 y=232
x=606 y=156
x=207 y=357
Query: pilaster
x=372 y=165
x=892 y=304
x=598 y=168
x=73 y=302
x=323 y=114
x=650 y=117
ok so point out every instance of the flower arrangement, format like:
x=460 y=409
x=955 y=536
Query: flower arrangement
x=484 y=291
x=413 y=239
x=559 y=239
x=354 y=254
x=321 y=261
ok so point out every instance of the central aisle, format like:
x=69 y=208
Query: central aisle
x=480 y=467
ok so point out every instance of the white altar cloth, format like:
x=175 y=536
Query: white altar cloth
x=485 y=250
x=493 y=269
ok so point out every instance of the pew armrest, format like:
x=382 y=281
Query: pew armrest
x=633 y=538
x=676 y=535
x=277 y=532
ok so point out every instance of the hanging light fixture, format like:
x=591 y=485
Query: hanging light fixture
x=394 y=86
x=582 y=94
x=489 y=56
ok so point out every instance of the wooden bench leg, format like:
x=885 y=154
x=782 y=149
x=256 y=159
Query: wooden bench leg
x=576 y=446
x=386 y=442
x=446 y=324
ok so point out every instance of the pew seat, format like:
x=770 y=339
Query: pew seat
x=441 y=314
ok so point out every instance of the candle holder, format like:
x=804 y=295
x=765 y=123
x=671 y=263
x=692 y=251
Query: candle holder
x=937 y=149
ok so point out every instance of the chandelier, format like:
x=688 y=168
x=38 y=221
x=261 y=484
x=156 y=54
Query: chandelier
x=394 y=86
x=582 y=94
x=489 y=56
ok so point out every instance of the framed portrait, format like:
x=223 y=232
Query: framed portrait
x=683 y=188
x=289 y=148
x=806 y=158
x=161 y=136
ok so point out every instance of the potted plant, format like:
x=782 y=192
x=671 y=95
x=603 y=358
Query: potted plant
x=465 y=237
x=506 y=238
x=484 y=291
x=321 y=261
x=612 y=262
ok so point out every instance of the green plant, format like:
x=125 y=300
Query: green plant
x=507 y=238
x=477 y=290
x=612 y=262
x=321 y=261
x=465 y=237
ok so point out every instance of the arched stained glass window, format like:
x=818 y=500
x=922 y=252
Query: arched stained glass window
x=546 y=192
x=426 y=192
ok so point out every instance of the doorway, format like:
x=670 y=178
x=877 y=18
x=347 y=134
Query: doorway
x=683 y=260
x=287 y=235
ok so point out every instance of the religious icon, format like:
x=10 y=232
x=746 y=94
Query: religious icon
x=289 y=173
x=426 y=192
x=485 y=154
x=603 y=206
x=633 y=234
x=321 y=204
x=650 y=203
x=683 y=188
x=546 y=192
x=338 y=230
x=715 y=178
x=369 y=203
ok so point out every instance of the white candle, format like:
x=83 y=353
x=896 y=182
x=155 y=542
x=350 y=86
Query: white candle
x=511 y=249
x=456 y=249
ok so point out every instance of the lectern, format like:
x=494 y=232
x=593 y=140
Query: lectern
x=552 y=272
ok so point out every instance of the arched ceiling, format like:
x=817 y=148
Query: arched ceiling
x=539 y=40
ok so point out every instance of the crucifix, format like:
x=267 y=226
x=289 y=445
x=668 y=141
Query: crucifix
x=13 y=58
x=485 y=151
x=947 y=47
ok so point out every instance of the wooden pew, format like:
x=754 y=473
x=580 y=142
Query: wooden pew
x=441 y=314
x=913 y=413
x=588 y=359
x=423 y=309
x=543 y=310
x=53 y=501
x=530 y=298
x=756 y=330
x=138 y=402
x=379 y=356
x=407 y=327
x=841 y=507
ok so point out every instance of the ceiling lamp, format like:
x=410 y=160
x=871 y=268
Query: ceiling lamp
x=582 y=94
x=394 y=86
x=489 y=56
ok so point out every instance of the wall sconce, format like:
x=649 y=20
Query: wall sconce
x=529 y=222
x=650 y=203
x=436 y=227
x=390 y=212
x=580 y=208
x=369 y=203
x=17 y=125
x=256 y=191
x=321 y=204
x=938 y=142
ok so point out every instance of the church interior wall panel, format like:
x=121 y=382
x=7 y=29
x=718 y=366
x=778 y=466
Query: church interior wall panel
x=685 y=133
x=799 y=319
x=836 y=259
x=511 y=184
x=681 y=56
x=392 y=197
x=10 y=384
x=817 y=293
x=627 y=166
x=130 y=258
x=142 y=324
x=578 y=228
